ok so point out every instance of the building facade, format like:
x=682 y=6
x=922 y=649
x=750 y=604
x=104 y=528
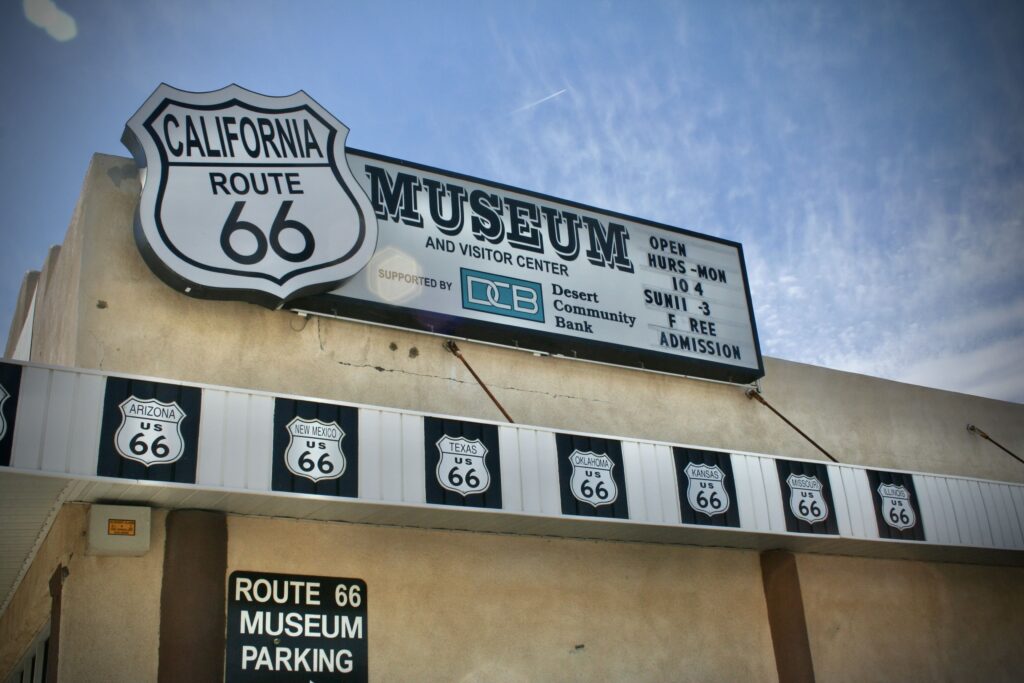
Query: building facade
x=455 y=584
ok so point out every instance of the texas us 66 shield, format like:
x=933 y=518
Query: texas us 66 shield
x=247 y=196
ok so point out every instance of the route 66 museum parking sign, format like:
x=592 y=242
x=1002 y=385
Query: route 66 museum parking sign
x=247 y=196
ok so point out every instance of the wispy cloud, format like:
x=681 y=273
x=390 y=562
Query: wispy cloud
x=881 y=237
x=542 y=100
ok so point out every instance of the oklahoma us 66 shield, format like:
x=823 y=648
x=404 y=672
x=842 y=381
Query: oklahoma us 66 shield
x=592 y=480
x=150 y=431
x=247 y=196
x=314 y=449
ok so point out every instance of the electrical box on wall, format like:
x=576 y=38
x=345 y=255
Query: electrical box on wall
x=118 y=530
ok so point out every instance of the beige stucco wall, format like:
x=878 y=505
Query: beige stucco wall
x=894 y=620
x=110 y=605
x=460 y=606
x=111 y=614
x=112 y=313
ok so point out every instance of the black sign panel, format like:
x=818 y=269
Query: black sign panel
x=291 y=628
x=463 y=465
x=896 y=509
x=707 y=491
x=10 y=385
x=591 y=476
x=150 y=430
x=807 y=497
x=316 y=448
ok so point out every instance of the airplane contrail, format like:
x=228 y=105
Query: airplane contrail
x=540 y=101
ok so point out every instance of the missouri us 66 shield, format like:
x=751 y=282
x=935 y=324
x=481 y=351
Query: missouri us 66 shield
x=806 y=501
x=247 y=196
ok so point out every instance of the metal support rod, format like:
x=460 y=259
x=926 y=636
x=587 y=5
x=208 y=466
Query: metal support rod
x=974 y=430
x=760 y=399
x=451 y=346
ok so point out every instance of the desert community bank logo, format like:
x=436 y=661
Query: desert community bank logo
x=247 y=196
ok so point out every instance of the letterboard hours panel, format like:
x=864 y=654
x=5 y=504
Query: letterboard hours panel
x=465 y=257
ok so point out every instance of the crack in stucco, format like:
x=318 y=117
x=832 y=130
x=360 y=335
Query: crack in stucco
x=379 y=368
x=319 y=334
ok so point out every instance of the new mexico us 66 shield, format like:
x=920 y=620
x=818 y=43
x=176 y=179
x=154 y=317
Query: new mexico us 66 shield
x=247 y=196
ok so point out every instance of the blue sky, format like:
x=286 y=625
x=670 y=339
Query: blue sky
x=869 y=156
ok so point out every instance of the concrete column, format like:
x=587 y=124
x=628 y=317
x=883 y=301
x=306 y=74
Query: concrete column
x=192 y=598
x=786 y=617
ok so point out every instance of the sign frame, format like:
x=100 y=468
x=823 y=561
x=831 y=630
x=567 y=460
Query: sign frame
x=546 y=342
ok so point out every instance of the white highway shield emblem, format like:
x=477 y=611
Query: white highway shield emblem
x=150 y=431
x=591 y=481
x=896 y=508
x=247 y=196
x=4 y=395
x=314 y=449
x=705 y=489
x=805 y=498
x=461 y=467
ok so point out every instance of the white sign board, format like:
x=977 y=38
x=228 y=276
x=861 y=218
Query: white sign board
x=460 y=256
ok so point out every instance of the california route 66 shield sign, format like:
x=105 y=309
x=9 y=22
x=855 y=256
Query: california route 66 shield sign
x=150 y=431
x=896 y=508
x=805 y=499
x=705 y=491
x=314 y=449
x=461 y=467
x=247 y=196
x=591 y=481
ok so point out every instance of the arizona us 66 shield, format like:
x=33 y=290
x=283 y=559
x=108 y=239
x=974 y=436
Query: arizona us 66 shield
x=247 y=196
x=150 y=431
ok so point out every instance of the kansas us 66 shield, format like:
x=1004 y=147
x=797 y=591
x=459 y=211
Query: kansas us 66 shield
x=247 y=196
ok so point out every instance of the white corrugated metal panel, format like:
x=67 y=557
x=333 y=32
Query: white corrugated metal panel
x=391 y=464
x=940 y=525
x=842 y=511
x=750 y=498
x=1013 y=514
x=528 y=456
x=857 y=513
x=236 y=440
x=773 y=492
x=651 y=487
x=58 y=425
